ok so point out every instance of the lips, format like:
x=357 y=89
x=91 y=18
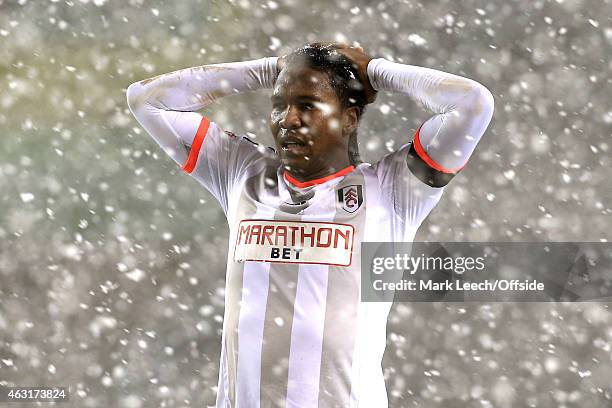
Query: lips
x=293 y=144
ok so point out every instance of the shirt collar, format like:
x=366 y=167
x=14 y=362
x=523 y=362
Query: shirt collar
x=309 y=183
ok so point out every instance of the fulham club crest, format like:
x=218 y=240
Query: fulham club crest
x=350 y=197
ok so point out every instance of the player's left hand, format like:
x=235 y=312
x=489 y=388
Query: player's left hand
x=360 y=61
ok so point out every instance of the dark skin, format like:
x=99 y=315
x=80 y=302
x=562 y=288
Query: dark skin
x=310 y=127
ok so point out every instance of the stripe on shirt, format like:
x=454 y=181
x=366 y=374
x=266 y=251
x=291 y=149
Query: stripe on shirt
x=255 y=284
x=277 y=330
x=308 y=320
x=368 y=385
x=341 y=315
x=243 y=207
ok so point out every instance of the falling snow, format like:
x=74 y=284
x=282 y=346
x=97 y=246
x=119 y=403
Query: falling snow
x=112 y=261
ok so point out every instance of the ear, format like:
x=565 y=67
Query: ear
x=350 y=120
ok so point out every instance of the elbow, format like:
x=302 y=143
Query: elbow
x=142 y=98
x=482 y=102
x=487 y=101
x=134 y=96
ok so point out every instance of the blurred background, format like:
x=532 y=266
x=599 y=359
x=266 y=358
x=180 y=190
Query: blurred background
x=112 y=260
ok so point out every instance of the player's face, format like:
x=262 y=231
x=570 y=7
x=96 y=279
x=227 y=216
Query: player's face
x=308 y=123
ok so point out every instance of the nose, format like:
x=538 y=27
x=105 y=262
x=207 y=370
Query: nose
x=291 y=118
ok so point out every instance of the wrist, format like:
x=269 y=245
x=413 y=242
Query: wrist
x=368 y=85
x=372 y=72
x=269 y=72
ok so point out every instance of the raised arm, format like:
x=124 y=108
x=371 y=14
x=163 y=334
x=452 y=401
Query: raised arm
x=166 y=105
x=462 y=111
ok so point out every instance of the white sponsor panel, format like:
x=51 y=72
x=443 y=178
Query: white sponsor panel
x=299 y=242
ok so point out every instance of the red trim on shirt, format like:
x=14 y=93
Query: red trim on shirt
x=423 y=155
x=197 y=145
x=302 y=184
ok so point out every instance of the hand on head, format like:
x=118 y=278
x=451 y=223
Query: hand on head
x=355 y=54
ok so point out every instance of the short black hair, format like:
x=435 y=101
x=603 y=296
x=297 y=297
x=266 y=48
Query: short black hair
x=343 y=78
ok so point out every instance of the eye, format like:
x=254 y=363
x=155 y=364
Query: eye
x=307 y=106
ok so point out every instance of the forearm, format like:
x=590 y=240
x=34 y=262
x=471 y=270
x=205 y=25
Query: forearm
x=166 y=105
x=462 y=107
x=191 y=89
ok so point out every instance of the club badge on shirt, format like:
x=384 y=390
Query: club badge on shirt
x=350 y=198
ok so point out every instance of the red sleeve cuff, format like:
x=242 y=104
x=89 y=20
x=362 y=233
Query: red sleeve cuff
x=423 y=156
x=196 y=145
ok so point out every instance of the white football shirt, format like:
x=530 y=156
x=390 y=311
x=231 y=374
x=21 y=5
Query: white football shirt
x=295 y=332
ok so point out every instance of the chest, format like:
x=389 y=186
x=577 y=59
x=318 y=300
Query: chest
x=323 y=225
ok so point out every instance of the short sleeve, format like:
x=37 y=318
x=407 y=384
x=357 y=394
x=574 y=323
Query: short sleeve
x=411 y=198
x=218 y=159
x=214 y=157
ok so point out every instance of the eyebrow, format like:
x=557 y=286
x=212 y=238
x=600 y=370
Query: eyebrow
x=275 y=97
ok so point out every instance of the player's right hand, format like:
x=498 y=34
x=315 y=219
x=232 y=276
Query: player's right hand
x=360 y=61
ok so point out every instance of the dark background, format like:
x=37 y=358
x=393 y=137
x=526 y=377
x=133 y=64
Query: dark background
x=112 y=260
